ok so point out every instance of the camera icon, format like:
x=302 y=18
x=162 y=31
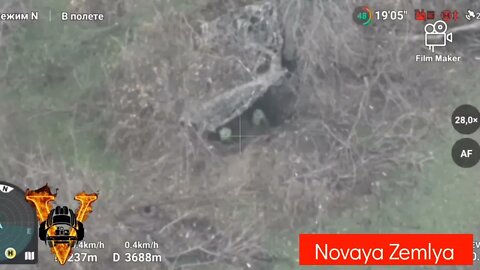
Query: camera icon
x=436 y=35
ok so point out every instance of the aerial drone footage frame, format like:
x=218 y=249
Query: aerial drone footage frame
x=216 y=131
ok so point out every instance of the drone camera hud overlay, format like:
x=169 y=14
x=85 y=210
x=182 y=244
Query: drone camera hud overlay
x=239 y=134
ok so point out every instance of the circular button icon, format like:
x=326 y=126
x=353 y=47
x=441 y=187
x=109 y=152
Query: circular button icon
x=466 y=119
x=440 y=26
x=363 y=16
x=10 y=253
x=466 y=153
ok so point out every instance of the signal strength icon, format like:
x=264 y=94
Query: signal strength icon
x=470 y=15
x=29 y=255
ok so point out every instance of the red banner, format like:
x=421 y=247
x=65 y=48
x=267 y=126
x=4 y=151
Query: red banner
x=386 y=249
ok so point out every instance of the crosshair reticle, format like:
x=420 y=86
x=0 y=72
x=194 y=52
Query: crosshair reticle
x=18 y=227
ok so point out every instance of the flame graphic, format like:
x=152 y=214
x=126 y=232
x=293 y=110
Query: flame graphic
x=41 y=199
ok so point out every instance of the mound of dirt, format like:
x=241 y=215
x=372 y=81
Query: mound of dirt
x=239 y=59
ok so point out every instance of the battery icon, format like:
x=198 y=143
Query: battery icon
x=362 y=16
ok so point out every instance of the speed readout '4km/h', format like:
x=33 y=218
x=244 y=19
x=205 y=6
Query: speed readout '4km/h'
x=465 y=119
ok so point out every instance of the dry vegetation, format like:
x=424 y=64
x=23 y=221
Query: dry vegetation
x=362 y=106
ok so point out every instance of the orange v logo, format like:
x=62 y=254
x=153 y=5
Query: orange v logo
x=42 y=198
